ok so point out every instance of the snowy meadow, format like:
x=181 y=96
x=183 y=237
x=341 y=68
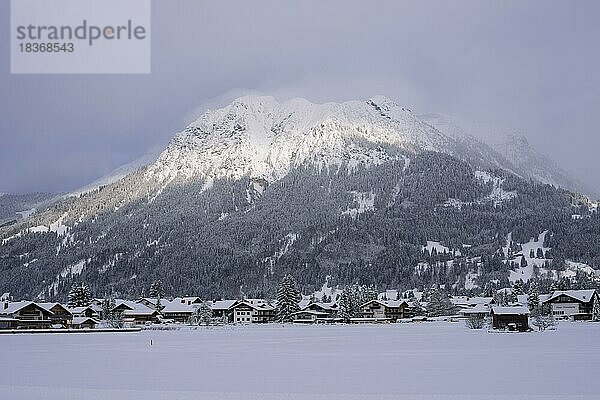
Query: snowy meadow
x=438 y=360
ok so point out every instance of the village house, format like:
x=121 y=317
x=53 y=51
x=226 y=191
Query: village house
x=86 y=311
x=134 y=313
x=253 y=311
x=189 y=300
x=178 y=311
x=153 y=302
x=572 y=304
x=84 y=323
x=307 y=316
x=328 y=308
x=385 y=310
x=28 y=314
x=514 y=318
x=60 y=314
x=467 y=302
x=480 y=311
x=223 y=308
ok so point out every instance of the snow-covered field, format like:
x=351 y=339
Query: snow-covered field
x=398 y=361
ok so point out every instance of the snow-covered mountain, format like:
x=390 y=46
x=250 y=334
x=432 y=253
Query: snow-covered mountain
x=119 y=173
x=263 y=138
x=511 y=145
x=259 y=188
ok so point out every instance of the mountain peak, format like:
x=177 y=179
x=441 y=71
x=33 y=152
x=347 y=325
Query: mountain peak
x=258 y=135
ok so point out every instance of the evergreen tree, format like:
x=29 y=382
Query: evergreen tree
x=540 y=253
x=156 y=289
x=202 y=315
x=346 y=304
x=425 y=295
x=489 y=289
x=157 y=292
x=523 y=262
x=510 y=298
x=500 y=298
x=112 y=318
x=533 y=298
x=517 y=288
x=439 y=303
x=288 y=297
x=79 y=296
x=417 y=308
x=596 y=309
x=107 y=306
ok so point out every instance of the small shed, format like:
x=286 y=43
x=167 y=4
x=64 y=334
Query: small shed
x=514 y=318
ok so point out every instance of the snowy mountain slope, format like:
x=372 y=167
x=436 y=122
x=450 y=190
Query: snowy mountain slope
x=510 y=150
x=261 y=137
x=119 y=173
x=260 y=187
x=21 y=206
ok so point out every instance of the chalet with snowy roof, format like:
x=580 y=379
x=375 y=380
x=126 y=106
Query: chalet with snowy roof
x=28 y=314
x=178 y=310
x=85 y=311
x=60 y=314
x=466 y=302
x=152 y=302
x=328 y=308
x=514 y=318
x=391 y=310
x=479 y=311
x=84 y=323
x=307 y=316
x=134 y=313
x=223 y=308
x=572 y=304
x=253 y=311
x=189 y=300
x=96 y=302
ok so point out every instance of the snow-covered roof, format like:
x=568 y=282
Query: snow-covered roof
x=311 y=312
x=177 y=306
x=79 y=310
x=469 y=301
x=16 y=306
x=305 y=302
x=83 y=320
x=584 y=296
x=478 y=309
x=325 y=306
x=135 y=308
x=257 y=306
x=544 y=297
x=387 y=303
x=510 y=310
x=189 y=299
x=49 y=306
x=522 y=299
x=222 y=304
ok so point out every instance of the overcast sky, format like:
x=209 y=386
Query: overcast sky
x=533 y=66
